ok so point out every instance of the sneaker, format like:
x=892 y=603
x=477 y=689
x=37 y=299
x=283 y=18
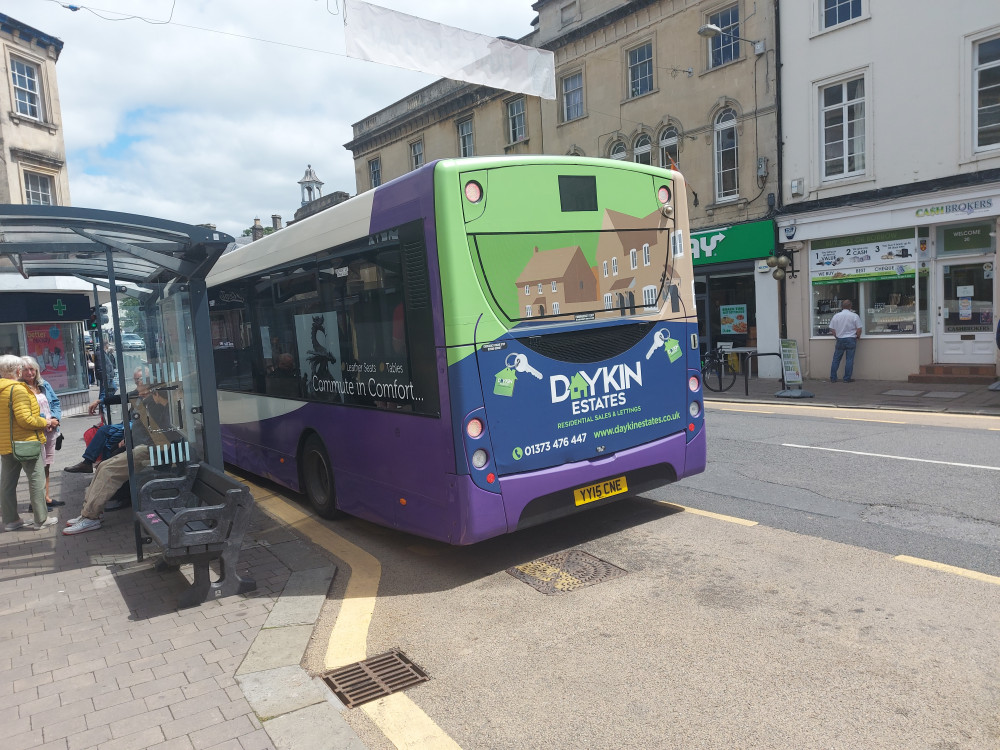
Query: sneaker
x=848 y=380
x=82 y=526
x=14 y=525
x=84 y=467
x=50 y=521
x=74 y=521
x=832 y=380
x=55 y=504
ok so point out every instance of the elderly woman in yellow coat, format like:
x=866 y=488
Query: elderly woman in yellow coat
x=24 y=422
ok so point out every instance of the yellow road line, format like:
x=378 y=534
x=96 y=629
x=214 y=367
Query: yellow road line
x=974 y=574
x=403 y=723
x=742 y=411
x=709 y=514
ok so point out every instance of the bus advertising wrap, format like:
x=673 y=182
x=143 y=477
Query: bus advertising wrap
x=543 y=412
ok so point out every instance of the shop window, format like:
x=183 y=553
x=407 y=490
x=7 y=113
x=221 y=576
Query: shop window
x=890 y=306
x=10 y=342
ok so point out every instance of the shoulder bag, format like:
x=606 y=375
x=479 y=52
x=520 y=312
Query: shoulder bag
x=24 y=450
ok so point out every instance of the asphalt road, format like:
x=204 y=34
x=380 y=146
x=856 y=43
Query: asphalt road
x=789 y=622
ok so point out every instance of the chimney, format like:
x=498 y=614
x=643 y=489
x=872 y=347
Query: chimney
x=257 y=230
x=275 y=222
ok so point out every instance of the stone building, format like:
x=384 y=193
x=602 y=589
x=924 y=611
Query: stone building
x=33 y=167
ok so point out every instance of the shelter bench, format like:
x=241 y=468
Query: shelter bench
x=196 y=518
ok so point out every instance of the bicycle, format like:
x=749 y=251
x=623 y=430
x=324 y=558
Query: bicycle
x=716 y=372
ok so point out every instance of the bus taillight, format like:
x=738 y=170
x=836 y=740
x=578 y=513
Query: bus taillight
x=474 y=428
x=473 y=191
x=663 y=194
x=480 y=458
x=694 y=383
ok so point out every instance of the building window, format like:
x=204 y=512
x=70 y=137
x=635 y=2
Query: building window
x=614 y=266
x=540 y=287
x=840 y=11
x=645 y=254
x=726 y=156
x=633 y=258
x=607 y=301
x=668 y=148
x=844 y=129
x=567 y=14
x=724 y=48
x=555 y=308
x=515 y=121
x=416 y=154
x=604 y=267
x=554 y=287
x=37 y=189
x=27 y=91
x=375 y=172
x=27 y=100
x=527 y=311
x=572 y=88
x=649 y=297
x=527 y=289
x=618 y=150
x=643 y=151
x=988 y=94
x=466 y=147
x=640 y=70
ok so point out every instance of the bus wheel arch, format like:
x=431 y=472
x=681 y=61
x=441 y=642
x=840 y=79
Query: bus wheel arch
x=316 y=477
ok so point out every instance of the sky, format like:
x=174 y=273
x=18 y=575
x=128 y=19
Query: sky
x=209 y=125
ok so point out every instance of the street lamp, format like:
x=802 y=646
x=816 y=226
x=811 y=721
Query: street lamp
x=710 y=31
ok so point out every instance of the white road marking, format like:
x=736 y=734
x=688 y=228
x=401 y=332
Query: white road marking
x=897 y=458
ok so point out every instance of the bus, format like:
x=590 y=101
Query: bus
x=479 y=346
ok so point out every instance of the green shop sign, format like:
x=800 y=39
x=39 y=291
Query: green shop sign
x=738 y=242
x=969 y=238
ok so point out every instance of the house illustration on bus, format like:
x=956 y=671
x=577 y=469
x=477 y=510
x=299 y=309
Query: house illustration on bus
x=627 y=277
x=556 y=282
x=630 y=262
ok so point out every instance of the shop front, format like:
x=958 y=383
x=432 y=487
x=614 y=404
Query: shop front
x=737 y=300
x=49 y=327
x=925 y=292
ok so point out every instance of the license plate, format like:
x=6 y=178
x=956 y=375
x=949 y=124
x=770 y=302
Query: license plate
x=607 y=488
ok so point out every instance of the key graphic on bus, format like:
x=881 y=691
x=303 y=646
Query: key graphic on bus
x=521 y=365
x=671 y=346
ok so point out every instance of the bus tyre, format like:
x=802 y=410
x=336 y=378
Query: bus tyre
x=317 y=478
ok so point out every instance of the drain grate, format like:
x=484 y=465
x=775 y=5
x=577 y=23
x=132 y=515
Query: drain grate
x=565 y=571
x=374 y=678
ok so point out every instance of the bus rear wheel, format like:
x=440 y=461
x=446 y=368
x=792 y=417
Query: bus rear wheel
x=317 y=478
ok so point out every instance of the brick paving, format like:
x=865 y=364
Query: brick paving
x=94 y=653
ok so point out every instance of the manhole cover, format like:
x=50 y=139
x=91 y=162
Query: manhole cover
x=565 y=571
x=374 y=678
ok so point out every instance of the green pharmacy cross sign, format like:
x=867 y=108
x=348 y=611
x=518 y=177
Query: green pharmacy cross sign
x=59 y=307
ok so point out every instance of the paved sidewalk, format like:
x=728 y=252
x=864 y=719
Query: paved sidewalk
x=872 y=394
x=94 y=653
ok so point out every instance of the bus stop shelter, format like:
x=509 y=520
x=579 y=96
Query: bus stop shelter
x=153 y=271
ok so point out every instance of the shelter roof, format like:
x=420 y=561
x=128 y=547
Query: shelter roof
x=70 y=241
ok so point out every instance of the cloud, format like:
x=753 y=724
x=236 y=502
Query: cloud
x=196 y=126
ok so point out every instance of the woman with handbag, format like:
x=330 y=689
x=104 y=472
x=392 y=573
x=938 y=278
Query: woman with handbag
x=21 y=448
x=49 y=406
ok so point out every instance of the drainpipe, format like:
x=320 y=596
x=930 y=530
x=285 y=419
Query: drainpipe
x=779 y=203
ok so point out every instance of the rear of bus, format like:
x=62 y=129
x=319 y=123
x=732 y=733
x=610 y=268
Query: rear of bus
x=571 y=334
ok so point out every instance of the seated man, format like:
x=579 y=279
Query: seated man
x=109 y=437
x=149 y=416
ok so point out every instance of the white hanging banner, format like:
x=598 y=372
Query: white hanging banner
x=385 y=36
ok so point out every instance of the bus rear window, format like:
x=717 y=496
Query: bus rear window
x=578 y=193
